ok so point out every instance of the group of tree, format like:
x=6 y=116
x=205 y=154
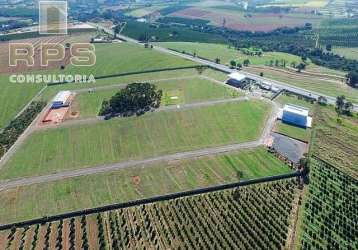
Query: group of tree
x=17 y=126
x=352 y=79
x=238 y=65
x=343 y=106
x=135 y=98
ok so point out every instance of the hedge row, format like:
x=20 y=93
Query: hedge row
x=17 y=126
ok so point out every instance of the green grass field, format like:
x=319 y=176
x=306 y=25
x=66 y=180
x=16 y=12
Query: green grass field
x=134 y=183
x=174 y=92
x=226 y=54
x=293 y=131
x=13 y=97
x=309 y=83
x=293 y=99
x=111 y=59
x=125 y=57
x=124 y=139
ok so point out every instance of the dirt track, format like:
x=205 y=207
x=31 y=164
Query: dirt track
x=104 y=168
x=146 y=162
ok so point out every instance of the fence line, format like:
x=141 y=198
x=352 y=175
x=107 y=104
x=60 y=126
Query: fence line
x=147 y=201
x=134 y=73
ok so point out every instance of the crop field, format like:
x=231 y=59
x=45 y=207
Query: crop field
x=137 y=137
x=136 y=30
x=309 y=83
x=141 y=12
x=336 y=139
x=298 y=3
x=351 y=53
x=293 y=131
x=330 y=209
x=238 y=20
x=339 y=32
x=135 y=183
x=36 y=42
x=216 y=220
x=226 y=54
x=174 y=92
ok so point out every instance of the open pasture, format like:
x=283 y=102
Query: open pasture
x=13 y=97
x=175 y=92
x=124 y=57
x=150 y=135
x=135 y=183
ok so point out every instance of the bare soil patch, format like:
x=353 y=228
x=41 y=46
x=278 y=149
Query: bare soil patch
x=36 y=42
x=136 y=180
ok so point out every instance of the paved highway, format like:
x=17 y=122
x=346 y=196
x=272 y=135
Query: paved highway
x=224 y=68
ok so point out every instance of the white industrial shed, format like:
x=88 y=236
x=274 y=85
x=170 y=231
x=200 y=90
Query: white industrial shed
x=61 y=99
x=237 y=76
x=296 y=115
x=236 y=79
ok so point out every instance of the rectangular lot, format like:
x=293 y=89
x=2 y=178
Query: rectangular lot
x=124 y=139
x=134 y=183
x=174 y=92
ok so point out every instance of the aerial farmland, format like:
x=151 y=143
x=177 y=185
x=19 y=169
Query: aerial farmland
x=200 y=124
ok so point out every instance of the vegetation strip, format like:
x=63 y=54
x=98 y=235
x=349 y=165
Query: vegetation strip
x=135 y=73
x=148 y=200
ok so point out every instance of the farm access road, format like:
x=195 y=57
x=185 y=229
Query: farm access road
x=7 y=184
x=224 y=68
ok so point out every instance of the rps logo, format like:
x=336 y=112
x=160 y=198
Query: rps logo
x=52 y=21
x=82 y=54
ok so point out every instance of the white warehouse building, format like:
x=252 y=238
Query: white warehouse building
x=296 y=115
x=61 y=99
x=236 y=79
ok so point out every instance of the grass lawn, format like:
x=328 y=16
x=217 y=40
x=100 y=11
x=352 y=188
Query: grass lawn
x=126 y=57
x=293 y=99
x=174 y=92
x=293 y=131
x=51 y=91
x=134 y=183
x=225 y=54
x=309 y=83
x=336 y=142
x=124 y=139
x=13 y=97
